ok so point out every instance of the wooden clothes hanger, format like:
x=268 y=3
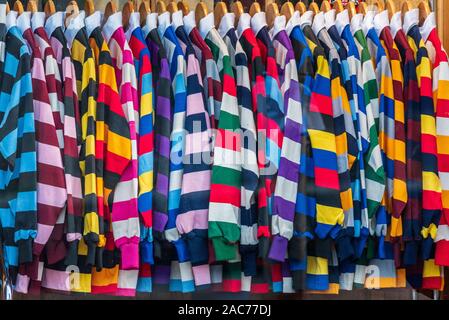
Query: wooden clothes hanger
x=338 y=6
x=272 y=11
x=300 y=7
x=406 y=7
x=144 y=10
x=255 y=8
x=110 y=9
x=127 y=9
x=7 y=8
x=380 y=5
x=200 y=12
x=71 y=11
x=89 y=7
x=18 y=6
x=314 y=8
x=362 y=8
x=237 y=9
x=219 y=11
x=32 y=6
x=184 y=7
x=325 y=6
x=287 y=10
x=351 y=9
x=424 y=11
x=160 y=7
x=391 y=8
x=172 y=6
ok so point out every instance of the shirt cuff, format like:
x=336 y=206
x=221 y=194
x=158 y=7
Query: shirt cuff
x=278 y=249
x=130 y=256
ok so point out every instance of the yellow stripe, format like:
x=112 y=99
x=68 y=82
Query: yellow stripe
x=317 y=266
x=323 y=140
x=329 y=215
x=431 y=181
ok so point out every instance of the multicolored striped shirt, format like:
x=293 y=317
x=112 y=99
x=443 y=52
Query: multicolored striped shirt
x=18 y=162
x=225 y=193
x=125 y=215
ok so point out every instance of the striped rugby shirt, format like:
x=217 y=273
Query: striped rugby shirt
x=400 y=196
x=431 y=193
x=232 y=278
x=440 y=76
x=412 y=219
x=82 y=57
x=145 y=145
x=255 y=278
x=225 y=193
x=192 y=221
x=304 y=220
x=112 y=132
x=51 y=194
x=18 y=162
x=55 y=275
x=163 y=251
x=177 y=139
x=125 y=215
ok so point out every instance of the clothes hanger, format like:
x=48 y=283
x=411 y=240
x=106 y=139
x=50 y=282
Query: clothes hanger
x=200 y=11
x=325 y=6
x=144 y=10
x=160 y=7
x=362 y=8
x=351 y=8
x=406 y=7
x=380 y=5
x=301 y=7
x=219 y=11
x=71 y=11
x=424 y=11
x=338 y=6
x=314 y=8
x=272 y=11
x=89 y=7
x=8 y=9
x=127 y=9
x=32 y=6
x=184 y=7
x=237 y=8
x=255 y=8
x=391 y=8
x=18 y=6
x=172 y=6
x=110 y=9
x=287 y=10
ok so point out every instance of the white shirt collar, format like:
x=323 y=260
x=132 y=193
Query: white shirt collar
x=113 y=23
x=342 y=20
x=93 y=21
x=356 y=22
x=428 y=25
x=176 y=19
x=318 y=23
x=206 y=24
x=11 y=19
x=329 y=18
x=244 y=23
x=381 y=21
x=150 y=23
x=163 y=22
x=134 y=22
x=368 y=21
x=54 y=21
x=189 y=21
x=395 y=23
x=24 y=21
x=294 y=21
x=411 y=18
x=307 y=18
x=38 y=20
x=74 y=26
x=226 y=23
x=278 y=25
x=258 y=21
